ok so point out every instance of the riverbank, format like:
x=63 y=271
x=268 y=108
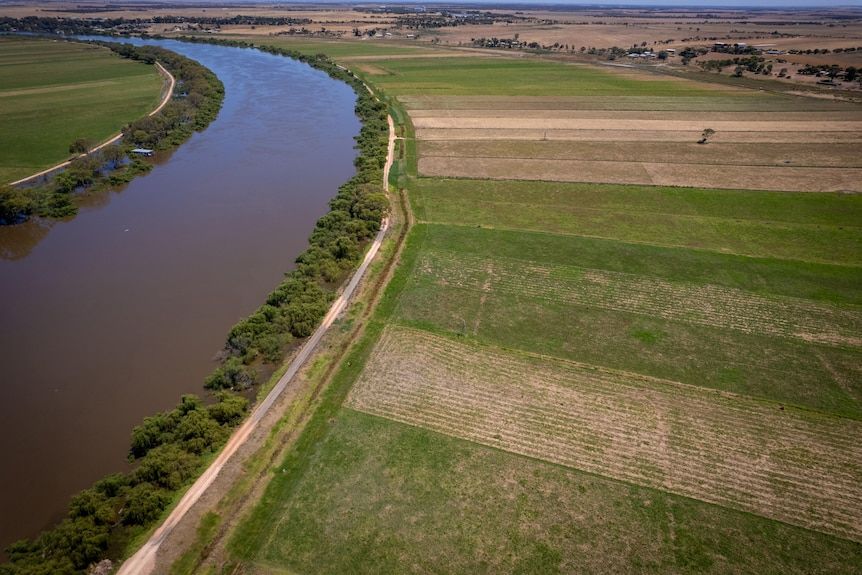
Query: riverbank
x=198 y=542
x=109 y=166
x=168 y=91
x=59 y=97
x=337 y=242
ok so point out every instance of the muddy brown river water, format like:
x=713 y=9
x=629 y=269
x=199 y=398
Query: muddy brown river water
x=113 y=315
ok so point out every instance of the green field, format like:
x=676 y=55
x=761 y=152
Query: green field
x=338 y=49
x=512 y=290
x=812 y=227
x=500 y=76
x=587 y=378
x=383 y=497
x=54 y=92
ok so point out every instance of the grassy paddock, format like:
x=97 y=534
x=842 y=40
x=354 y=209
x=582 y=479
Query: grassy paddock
x=821 y=227
x=335 y=49
x=381 y=497
x=740 y=101
x=522 y=77
x=767 y=276
x=53 y=92
x=792 y=464
x=708 y=354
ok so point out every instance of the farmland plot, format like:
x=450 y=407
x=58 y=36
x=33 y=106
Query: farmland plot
x=648 y=136
x=793 y=226
x=788 y=464
x=653 y=136
x=657 y=322
x=763 y=154
x=693 y=303
x=52 y=93
x=655 y=173
x=716 y=101
x=765 y=276
x=526 y=77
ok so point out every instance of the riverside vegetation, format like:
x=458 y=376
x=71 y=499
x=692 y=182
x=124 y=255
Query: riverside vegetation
x=171 y=448
x=174 y=124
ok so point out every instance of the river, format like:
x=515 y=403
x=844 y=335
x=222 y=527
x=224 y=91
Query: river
x=113 y=315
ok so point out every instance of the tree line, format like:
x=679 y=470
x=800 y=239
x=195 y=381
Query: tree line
x=169 y=448
x=201 y=97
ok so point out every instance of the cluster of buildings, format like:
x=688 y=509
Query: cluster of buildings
x=650 y=54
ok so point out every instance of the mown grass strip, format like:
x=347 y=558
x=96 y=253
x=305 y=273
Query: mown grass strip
x=502 y=76
x=765 y=276
x=811 y=227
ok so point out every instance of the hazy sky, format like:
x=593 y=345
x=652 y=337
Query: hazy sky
x=711 y=3
x=698 y=3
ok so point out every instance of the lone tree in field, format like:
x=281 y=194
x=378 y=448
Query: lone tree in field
x=706 y=135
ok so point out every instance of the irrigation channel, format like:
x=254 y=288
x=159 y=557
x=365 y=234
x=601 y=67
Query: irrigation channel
x=113 y=315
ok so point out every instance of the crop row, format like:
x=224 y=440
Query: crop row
x=781 y=463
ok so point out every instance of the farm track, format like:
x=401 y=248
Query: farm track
x=792 y=465
x=700 y=304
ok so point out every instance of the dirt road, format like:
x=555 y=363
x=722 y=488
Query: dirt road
x=167 y=97
x=144 y=561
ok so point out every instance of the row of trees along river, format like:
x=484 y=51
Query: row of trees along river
x=129 y=300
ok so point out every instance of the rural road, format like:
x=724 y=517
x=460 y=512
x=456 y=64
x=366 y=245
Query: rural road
x=144 y=561
x=167 y=98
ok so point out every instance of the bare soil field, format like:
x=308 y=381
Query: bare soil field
x=796 y=144
x=653 y=137
x=793 y=465
x=717 y=152
x=660 y=174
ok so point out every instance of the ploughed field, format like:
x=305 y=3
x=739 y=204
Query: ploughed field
x=606 y=348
